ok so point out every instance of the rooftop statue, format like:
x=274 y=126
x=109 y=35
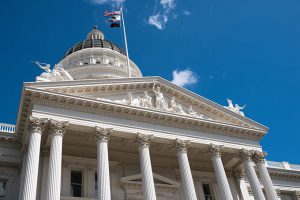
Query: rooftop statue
x=58 y=73
x=236 y=108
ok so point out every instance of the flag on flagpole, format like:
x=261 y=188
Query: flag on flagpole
x=107 y=13
x=115 y=25
x=115 y=18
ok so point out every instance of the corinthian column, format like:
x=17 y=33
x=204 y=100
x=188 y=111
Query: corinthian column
x=33 y=156
x=103 y=183
x=57 y=131
x=245 y=156
x=185 y=170
x=223 y=184
x=259 y=159
x=146 y=168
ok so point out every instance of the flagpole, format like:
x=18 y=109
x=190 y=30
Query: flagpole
x=125 y=42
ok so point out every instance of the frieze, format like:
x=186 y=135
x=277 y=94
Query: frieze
x=159 y=102
x=157 y=118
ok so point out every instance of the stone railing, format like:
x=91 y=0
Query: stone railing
x=7 y=128
x=283 y=165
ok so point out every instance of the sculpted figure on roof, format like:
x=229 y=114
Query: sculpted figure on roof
x=58 y=73
x=236 y=108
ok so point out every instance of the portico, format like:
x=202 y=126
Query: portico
x=187 y=159
x=113 y=137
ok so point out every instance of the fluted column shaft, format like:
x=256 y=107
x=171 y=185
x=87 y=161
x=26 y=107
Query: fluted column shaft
x=146 y=168
x=220 y=172
x=185 y=171
x=259 y=159
x=246 y=157
x=103 y=183
x=57 y=130
x=33 y=156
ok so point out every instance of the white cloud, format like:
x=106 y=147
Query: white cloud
x=184 y=77
x=158 y=21
x=161 y=13
x=186 y=13
x=168 y=4
x=113 y=3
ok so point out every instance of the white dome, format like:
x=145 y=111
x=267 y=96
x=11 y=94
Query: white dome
x=96 y=58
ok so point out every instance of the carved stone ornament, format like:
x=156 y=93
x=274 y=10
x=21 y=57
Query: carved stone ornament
x=182 y=145
x=244 y=154
x=37 y=124
x=239 y=174
x=58 y=127
x=215 y=150
x=103 y=134
x=46 y=150
x=158 y=101
x=58 y=73
x=259 y=157
x=144 y=140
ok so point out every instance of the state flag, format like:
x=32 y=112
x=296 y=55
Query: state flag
x=115 y=25
x=116 y=18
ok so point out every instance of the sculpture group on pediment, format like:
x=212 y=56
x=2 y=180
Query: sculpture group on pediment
x=58 y=73
x=146 y=100
x=175 y=107
x=235 y=108
x=158 y=101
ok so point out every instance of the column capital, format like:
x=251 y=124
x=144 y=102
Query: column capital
x=37 y=124
x=144 y=140
x=215 y=150
x=58 y=127
x=103 y=134
x=244 y=154
x=182 y=145
x=259 y=157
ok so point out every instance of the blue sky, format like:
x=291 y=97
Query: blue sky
x=247 y=50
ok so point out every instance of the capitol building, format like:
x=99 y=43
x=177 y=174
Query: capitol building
x=92 y=128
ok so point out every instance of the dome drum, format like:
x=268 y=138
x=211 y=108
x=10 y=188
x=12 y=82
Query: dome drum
x=98 y=63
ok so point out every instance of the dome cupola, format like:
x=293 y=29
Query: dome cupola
x=97 y=58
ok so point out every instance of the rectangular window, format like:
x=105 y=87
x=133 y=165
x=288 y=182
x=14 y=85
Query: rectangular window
x=207 y=192
x=76 y=183
x=2 y=189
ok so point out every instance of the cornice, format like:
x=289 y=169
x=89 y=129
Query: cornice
x=61 y=95
x=283 y=173
x=111 y=109
x=117 y=84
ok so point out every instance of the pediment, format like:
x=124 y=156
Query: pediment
x=149 y=95
x=165 y=188
x=158 y=180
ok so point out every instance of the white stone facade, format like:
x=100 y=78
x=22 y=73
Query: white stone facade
x=134 y=138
